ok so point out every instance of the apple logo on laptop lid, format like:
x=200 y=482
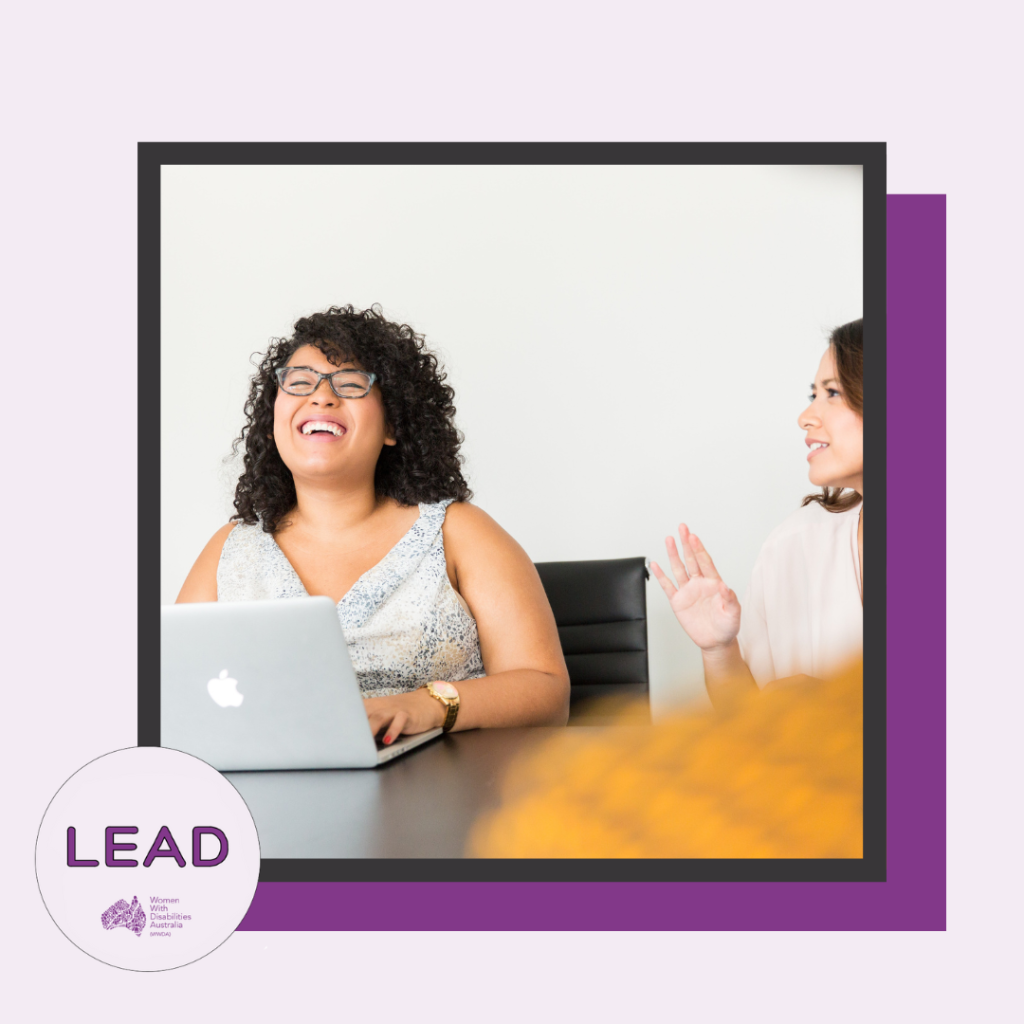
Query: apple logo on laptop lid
x=224 y=690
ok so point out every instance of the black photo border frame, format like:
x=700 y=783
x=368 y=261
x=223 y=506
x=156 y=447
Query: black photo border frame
x=872 y=157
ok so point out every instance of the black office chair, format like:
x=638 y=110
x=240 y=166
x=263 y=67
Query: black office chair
x=601 y=612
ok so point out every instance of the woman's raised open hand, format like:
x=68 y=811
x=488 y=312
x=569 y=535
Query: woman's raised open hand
x=705 y=607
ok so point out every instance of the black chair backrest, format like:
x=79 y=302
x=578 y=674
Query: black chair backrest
x=601 y=612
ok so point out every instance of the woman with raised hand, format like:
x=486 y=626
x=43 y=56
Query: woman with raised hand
x=803 y=612
x=352 y=488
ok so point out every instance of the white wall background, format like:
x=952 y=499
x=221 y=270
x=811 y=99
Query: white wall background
x=629 y=346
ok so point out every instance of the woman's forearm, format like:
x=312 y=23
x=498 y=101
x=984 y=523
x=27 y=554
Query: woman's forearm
x=726 y=676
x=516 y=697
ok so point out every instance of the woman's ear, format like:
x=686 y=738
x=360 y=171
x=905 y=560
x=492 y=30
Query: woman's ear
x=389 y=434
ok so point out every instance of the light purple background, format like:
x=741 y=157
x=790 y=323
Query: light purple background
x=86 y=85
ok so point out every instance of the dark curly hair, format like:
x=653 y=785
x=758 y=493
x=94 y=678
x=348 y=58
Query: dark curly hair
x=847 y=345
x=424 y=465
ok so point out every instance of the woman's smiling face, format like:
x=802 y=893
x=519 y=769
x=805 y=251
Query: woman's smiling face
x=835 y=433
x=321 y=435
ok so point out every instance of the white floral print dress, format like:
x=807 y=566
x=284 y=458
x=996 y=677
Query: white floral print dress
x=404 y=623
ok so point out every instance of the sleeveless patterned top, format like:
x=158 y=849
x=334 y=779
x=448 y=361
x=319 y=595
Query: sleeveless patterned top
x=404 y=623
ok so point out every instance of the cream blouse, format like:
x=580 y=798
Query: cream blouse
x=802 y=613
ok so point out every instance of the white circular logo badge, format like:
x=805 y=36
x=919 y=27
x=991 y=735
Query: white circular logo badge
x=147 y=858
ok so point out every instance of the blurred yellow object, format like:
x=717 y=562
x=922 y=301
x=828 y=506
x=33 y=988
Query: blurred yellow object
x=782 y=776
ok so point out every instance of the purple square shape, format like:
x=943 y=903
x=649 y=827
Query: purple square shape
x=914 y=895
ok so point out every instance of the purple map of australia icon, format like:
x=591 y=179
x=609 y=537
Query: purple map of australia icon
x=120 y=914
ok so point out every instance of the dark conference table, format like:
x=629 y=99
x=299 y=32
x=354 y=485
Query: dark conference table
x=422 y=804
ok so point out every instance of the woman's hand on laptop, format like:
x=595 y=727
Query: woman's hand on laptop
x=405 y=713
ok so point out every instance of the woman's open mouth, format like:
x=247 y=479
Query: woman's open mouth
x=816 y=446
x=322 y=430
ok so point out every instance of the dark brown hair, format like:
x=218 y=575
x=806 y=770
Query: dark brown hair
x=847 y=345
x=423 y=466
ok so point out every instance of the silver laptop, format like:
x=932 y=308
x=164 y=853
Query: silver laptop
x=265 y=685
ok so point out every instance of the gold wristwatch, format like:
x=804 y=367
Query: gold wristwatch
x=449 y=697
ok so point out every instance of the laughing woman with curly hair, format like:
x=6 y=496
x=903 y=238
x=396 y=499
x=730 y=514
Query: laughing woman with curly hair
x=353 y=488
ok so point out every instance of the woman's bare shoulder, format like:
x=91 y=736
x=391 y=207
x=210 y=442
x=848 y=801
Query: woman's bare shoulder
x=460 y=512
x=466 y=522
x=475 y=543
x=201 y=582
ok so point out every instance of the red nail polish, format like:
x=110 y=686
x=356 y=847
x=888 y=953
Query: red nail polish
x=387 y=740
